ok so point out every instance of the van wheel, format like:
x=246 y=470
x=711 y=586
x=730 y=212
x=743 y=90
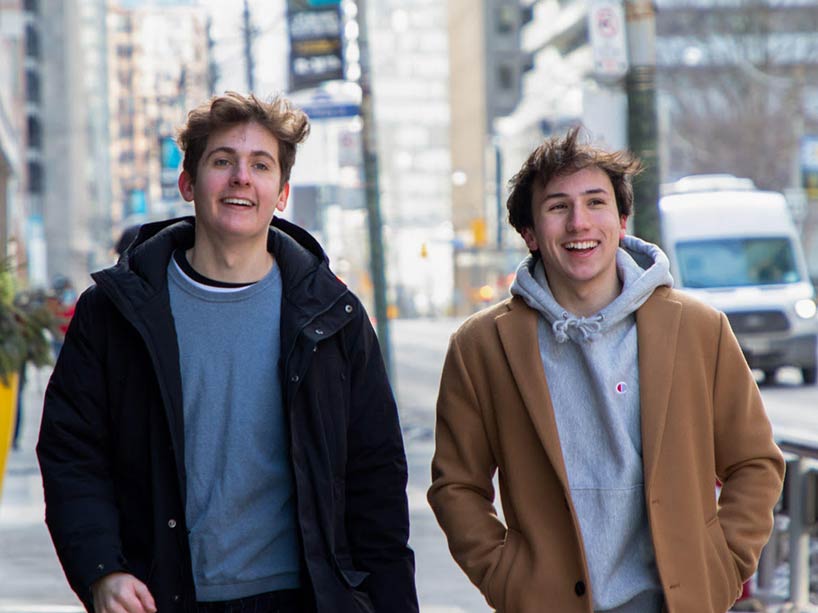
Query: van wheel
x=810 y=375
x=769 y=376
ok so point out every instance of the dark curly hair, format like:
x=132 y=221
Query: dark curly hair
x=287 y=123
x=559 y=156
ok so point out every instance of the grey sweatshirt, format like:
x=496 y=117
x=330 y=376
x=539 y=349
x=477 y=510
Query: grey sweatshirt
x=593 y=377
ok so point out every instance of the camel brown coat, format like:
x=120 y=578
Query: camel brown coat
x=702 y=418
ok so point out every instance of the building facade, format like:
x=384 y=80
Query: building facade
x=12 y=134
x=487 y=66
x=409 y=47
x=157 y=71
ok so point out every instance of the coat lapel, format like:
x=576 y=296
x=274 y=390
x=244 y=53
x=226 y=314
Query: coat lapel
x=518 y=334
x=657 y=325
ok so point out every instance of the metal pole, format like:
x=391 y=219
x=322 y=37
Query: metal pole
x=212 y=66
x=374 y=223
x=640 y=85
x=498 y=192
x=248 y=48
x=768 y=562
x=799 y=536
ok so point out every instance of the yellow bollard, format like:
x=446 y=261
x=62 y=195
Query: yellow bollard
x=8 y=415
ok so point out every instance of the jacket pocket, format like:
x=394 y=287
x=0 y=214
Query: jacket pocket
x=353 y=580
x=498 y=581
x=725 y=583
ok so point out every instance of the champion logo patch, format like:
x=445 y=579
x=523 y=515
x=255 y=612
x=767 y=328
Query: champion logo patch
x=621 y=387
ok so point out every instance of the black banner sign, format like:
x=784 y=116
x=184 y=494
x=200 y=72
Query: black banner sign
x=316 y=43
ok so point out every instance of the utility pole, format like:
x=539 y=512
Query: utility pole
x=640 y=84
x=249 y=33
x=212 y=67
x=373 y=208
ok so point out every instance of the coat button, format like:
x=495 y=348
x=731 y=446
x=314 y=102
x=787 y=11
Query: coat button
x=319 y=332
x=294 y=378
x=579 y=588
x=348 y=308
x=176 y=598
x=100 y=566
x=171 y=523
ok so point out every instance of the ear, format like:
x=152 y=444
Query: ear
x=281 y=204
x=623 y=226
x=530 y=239
x=186 y=186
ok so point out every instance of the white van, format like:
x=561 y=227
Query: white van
x=736 y=248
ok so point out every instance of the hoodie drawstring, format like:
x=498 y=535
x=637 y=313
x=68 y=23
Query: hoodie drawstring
x=589 y=326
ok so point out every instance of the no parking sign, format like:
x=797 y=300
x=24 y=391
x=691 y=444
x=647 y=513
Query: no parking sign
x=606 y=26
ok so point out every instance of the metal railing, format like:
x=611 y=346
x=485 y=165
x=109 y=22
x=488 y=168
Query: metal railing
x=799 y=505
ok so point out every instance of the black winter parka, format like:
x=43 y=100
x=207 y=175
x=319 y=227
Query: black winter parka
x=111 y=446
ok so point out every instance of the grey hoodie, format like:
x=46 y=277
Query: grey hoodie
x=593 y=377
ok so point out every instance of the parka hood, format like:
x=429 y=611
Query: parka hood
x=142 y=267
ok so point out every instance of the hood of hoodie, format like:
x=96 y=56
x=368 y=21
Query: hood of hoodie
x=641 y=267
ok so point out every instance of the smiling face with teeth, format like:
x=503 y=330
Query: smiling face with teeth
x=577 y=229
x=237 y=188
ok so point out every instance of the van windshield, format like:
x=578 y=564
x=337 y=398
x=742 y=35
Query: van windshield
x=737 y=262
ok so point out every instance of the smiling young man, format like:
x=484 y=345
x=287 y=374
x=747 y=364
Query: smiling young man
x=609 y=403
x=219 y=434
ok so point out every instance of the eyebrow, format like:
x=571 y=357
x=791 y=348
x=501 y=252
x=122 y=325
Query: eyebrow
x=596 y=190
x=231 y=151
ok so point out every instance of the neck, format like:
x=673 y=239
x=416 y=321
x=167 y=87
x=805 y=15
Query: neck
x=242 y=263
x=586 y=301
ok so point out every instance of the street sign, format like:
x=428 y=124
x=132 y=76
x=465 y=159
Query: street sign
x=330 y=110
x=316 y=44
x=323 y=105
x=606 y=26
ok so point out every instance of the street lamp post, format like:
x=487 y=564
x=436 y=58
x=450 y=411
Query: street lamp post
x=640 y=84
x=374 y=221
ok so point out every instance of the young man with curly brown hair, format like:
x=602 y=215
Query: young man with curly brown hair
x=219 y=433
x=609 y=404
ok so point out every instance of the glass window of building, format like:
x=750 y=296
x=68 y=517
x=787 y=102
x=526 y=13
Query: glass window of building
x=32 y=86
x=34 y=132
x=32 y=41
x=35 y=177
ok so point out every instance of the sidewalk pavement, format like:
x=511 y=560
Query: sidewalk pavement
x=32 y=580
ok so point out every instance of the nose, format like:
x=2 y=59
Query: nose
x=578 y=219
x=241 y=174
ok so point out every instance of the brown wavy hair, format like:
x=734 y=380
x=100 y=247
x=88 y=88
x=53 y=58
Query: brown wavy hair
x=559 y=156
x=287 y=123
